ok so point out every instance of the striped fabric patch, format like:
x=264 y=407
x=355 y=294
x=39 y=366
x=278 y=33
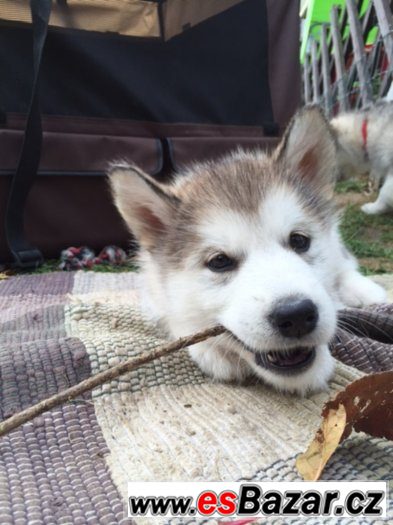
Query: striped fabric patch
x=164 y=421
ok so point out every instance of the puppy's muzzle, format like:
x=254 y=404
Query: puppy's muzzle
x=294 y=317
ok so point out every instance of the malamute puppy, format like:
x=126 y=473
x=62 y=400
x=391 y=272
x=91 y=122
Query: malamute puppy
x=250 y=242
x=365 y=145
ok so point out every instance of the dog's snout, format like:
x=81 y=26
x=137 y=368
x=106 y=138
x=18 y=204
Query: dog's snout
x=294 y=317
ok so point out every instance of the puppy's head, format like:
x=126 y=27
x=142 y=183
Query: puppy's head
x=250 y=242
x=351 y=157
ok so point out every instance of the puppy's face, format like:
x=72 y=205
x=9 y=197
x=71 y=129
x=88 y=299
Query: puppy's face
x=351 y=158
x=247 y=242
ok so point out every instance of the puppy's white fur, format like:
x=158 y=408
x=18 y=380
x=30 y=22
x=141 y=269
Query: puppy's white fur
x=246 y=206
x=373 y=153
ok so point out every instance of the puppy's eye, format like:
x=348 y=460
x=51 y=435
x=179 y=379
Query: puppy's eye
x=299 y=242
x=221 y=263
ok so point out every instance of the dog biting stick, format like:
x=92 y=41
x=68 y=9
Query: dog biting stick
x=103 y=377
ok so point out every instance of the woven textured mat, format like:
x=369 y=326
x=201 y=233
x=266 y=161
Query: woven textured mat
x=164 y=421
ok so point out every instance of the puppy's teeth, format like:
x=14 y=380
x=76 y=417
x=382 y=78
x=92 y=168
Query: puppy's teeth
x=270 y=358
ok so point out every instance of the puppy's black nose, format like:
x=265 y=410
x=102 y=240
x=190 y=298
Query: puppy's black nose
x=294 y=317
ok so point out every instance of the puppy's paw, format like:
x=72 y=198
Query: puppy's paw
x=218 y=364
x=357 y=291
x=374 y=208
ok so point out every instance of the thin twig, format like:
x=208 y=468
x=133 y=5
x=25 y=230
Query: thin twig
x=103 y=377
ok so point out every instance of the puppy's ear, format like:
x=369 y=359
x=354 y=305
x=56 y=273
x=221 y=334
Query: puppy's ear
x=308 y=149
x=146 y=206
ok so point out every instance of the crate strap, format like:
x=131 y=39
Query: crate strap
x=25 y=255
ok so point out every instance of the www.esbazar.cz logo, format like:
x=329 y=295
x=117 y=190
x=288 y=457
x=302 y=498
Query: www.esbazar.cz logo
x=220 y=499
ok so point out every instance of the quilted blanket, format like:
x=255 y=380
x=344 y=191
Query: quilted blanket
x=164 y=421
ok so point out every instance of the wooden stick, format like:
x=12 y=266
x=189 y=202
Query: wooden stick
x=103 y=377
x=385 y=21
x=327 y=88
x=315 y=71
x=306 y=79
x=341 y=74
x=355 y=29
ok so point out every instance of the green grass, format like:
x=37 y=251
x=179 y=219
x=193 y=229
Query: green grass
x=52 y=265
x=351 y=185
x=370 y=239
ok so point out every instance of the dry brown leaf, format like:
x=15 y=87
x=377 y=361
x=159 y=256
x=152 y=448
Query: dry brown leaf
x=311 y=464
x=368 y=407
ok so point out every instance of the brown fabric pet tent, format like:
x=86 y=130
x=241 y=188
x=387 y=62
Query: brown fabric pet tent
x=158 y=83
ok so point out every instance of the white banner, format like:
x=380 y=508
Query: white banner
x=253 y=499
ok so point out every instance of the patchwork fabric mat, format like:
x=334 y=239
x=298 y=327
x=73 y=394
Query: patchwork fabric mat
x=164 y=421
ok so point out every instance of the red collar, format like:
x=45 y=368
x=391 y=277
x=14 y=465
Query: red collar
x=365 y=136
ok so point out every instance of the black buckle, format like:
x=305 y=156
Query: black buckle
x=28 y=259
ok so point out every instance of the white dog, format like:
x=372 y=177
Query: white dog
x=365 y=145
x=250 y=242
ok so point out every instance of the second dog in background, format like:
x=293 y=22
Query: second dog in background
x=365 y=145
